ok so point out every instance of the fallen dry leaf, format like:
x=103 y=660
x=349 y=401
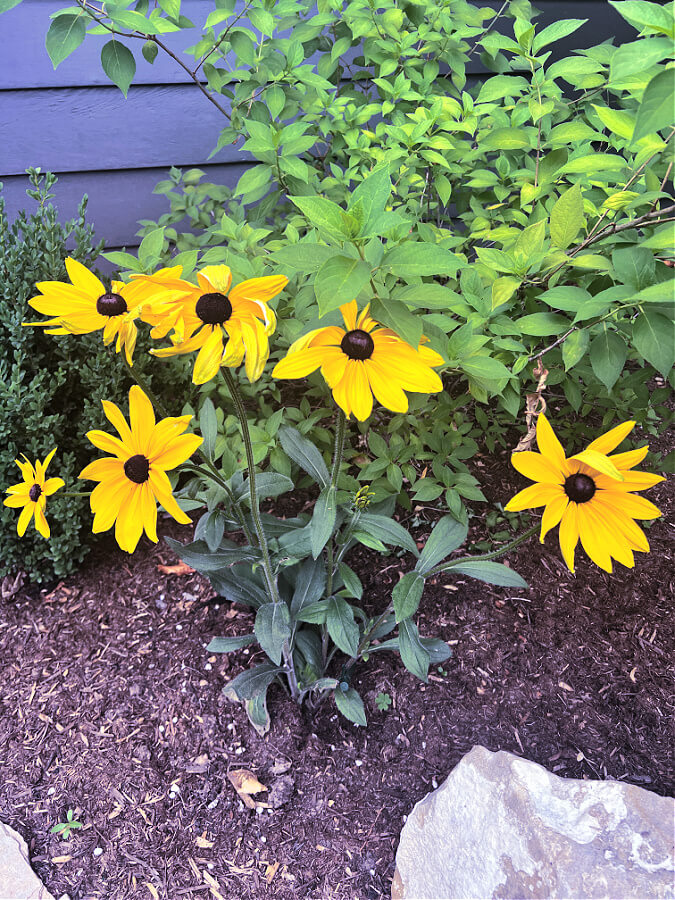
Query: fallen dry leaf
x=180 y=569
x=270 y=872
x=245 y=783
x=203 y=842
x=61 y=859
x=152 y=889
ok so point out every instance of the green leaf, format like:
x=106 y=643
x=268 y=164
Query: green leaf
x=634 y=266
x=556 y=32
x=638 y=56
x=170 y=7
x=447 y=535
x=407 y=595
x=657 y=109
x=593 y=163
x=228 y=644
x=505 y=139
x=654 y=338
x=309 y=584
x=306 y=257
x=567 y=217
x=608 y=356
x=237 y=588
x=662 y=292
x=396 y=315
x=211 y=528
x=342 y=628
x=256 y=710
x=267 y=484
x=314 y=613
x=618 y=121
x=273 y=628
x=150 y=51
x=641 y=13
x=502 y=86
x=503 y=289
x=542 y=324
x=118 y=64
x=415 y=656
x=350 y=705
x=662 y=239
x=351 y=580
x=150 y=248
x=492 y=572
x=208 y=426
x=6 y=5
x=566 y=297
x=485 y=367
x=304 y=453
x=255 y=180
x=437 y=649
x=323 y=519
x=198 y=555
x=340 y=280
x=575 y=347
x=327 y=216
x=252 y=682
x=65 y=35
x=414 y=258
x=388 y=531
x=370 y=196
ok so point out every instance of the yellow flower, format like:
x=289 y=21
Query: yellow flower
x=32 y=494
x=86 y=305
x=589 y=494
x=225 y=324
x=363 y=360
x=134 y=478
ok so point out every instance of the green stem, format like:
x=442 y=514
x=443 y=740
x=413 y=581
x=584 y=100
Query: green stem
x=525 y=536
x=338 y=451
x=257 y=522
x=75 y=494
x=215 y=475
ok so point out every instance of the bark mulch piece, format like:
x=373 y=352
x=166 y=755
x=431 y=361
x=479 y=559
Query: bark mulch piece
x=110 y=706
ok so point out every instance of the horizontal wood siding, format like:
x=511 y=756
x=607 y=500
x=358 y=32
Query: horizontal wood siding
x=71 y=121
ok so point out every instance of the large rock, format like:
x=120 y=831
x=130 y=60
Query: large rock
x=503 y=827
x=17 y=880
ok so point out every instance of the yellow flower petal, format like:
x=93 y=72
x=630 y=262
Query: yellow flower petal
x=533 y=496
x=599 y=462
x=176 y=451
x=162 y=490
x=114 y=415
x=635 y=507
x=537 y=468
x=129 y=524
x=553 y=513
x=349 y=311
x=40 y=520
x=569 y=534
x=593 y=538
x=630 y=458
x=110 y=444
x=548 y=443
x=607 y=442
x=299 y=364
x=209 y=358
x=360 y=394
x=141 y=419
x=83 y=279
x=387 y=392
x=215 y=278
x=24 y=519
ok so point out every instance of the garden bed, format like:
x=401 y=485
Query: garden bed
x=111 y=706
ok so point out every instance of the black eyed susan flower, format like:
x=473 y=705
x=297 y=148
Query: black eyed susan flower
x=32 y=493
x=363 y=359
x=227 y=325
x=87 y=305
x=134 y=478
x=590 y=495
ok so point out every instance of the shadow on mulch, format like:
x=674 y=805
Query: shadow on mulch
x=110 y=705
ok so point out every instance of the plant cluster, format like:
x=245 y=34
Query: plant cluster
x=294 y=571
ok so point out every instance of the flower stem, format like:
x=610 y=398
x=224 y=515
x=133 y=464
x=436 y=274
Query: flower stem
x=338 y=451
x=257 y=522
x=494 y=554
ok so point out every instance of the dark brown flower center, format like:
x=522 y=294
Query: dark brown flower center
x=35 y=492
x=213 y=309
x=111 y=305
x=357 y=344
x=579 y=488
x=137 y=468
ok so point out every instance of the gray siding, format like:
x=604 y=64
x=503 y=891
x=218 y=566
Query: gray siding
x=72 y=122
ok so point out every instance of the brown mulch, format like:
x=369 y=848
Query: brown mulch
x=110 y=706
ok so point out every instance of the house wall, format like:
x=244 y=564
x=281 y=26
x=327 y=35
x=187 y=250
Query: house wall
x=73 y=122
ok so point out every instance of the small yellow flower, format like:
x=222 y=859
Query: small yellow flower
x=87 y=305
x=134 y=478
x=226 y=324
x=32 y=494
x=589 y=494
x=363 y=360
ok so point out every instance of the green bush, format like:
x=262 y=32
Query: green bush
x=520 y=216
x=50 y=387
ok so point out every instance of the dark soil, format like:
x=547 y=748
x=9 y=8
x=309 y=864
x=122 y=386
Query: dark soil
x=110 y=706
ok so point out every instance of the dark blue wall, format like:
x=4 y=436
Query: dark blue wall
x=73 y=122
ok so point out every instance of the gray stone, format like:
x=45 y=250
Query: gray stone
x=503 y=827
x=17 y=880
